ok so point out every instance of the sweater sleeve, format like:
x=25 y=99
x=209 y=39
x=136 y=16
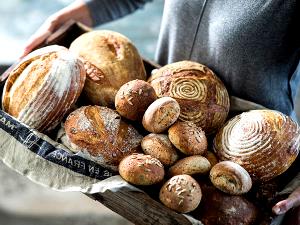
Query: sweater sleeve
x=108 y=10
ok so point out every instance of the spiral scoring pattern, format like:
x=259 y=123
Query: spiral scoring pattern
x=264 y=142
x=202 y=97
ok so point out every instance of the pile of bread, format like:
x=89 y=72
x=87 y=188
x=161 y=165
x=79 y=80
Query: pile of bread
x=155 y=130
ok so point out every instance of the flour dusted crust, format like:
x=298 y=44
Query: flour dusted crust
x=111 y=60
x=100 y=133
x=264 y=142
x=43 y=87
x=202 y=97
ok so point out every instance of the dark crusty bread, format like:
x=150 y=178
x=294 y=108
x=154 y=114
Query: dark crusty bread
x=100 y=133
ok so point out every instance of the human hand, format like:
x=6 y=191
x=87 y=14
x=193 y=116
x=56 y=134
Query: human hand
x=292 y=201
x=77 y=11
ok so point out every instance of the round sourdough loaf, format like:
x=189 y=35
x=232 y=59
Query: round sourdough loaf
x=264 y=142
x=133 y=98
x=110 y=60
x=202 y=97
x=43 y=86
x=100 y=134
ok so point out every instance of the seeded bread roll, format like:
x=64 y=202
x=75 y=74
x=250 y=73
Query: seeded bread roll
x=230 y=178
x=188 y=138
x=140 y=169
x=43 y=86
x=100 y=134
x=133 y=98
x=110 y=60
x=160 y=147
x=161 y=114
x=181 y=193
x=195 y=164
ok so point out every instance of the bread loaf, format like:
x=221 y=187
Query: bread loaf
x=264 y=142
x=202 y=97
x=188 y=138
x=230 y=178
x=140 y=169
x=161 y=114
x=43 y=86
x=181 y=193
x=133 y=98
x=160 y=147
x=100 y=134
x=211 y=157
x=218 y=208
x=110 y=60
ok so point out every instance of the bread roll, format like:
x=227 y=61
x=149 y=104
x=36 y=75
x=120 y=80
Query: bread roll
x=264 y=142
x=188 y=138
x=140 y=169
x=133 y=98
x=43 y=86
x=160 y=147
x=111 y=60
x=181 y=193
x=99 y=133
x=161 y=114
x=230 y=178
x=218 y=208
x=211 y=157
x=191 y=165
x=202 y=97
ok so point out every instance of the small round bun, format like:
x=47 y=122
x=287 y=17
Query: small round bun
x=140 y=169
x=133 y=98
x=160 y=147
x=188 y=138
x=161 y=114
x=195 y=164
x=230 y=178
x=181 y=193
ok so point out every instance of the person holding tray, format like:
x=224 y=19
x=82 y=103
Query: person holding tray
x=253 y=46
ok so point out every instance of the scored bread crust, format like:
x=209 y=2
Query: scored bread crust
x=43 y=86
x=100 y=133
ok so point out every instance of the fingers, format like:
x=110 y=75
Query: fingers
x=283 y=206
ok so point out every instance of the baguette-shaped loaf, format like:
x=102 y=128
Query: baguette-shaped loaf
x=100 y=134
x=43 y=86
x=202 y=97
x=111 y=60
x=264 y=142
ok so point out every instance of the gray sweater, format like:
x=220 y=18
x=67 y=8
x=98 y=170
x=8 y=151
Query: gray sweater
x=252 y=45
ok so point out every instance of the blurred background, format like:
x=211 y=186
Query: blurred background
x=21 y=201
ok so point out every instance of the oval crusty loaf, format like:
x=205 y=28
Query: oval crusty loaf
x=202 y=97
x=160 y=147
x=140 y=169
x=133 y=98
x=181 y=193
x=161 y=114
x=110 y=60
x=100 y=133
x=43 y=86
x=188 y=138
x=230 y=178
x=190 y=165
x=264 y=142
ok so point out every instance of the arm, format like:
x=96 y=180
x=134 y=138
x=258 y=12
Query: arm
x=88 y=12
x=292 y=201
